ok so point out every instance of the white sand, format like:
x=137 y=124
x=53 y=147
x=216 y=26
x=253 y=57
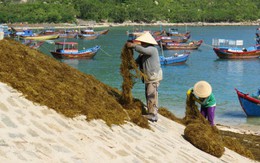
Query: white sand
x=33 y=133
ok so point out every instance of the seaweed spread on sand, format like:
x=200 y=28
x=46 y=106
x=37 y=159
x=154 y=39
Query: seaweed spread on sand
x=46 y=81
x=204 y=136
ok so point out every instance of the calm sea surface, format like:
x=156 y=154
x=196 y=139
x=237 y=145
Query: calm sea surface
x=203 y=64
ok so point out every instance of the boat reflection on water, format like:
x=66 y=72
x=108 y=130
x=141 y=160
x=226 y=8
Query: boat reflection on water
x=71 y=62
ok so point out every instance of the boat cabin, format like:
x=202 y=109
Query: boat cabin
x=4 y=28
x=66 y=47
x=89 y=31
x=173 y=31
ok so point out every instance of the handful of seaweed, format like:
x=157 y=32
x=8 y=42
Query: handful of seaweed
x=127 y=68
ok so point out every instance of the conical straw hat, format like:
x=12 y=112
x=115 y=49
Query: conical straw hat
x=202 y=89
x=147 y=38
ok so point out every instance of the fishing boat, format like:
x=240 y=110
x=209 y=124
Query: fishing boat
x=21 y=32
x=193 y=45
x=4 y=28
x=33 y=44
x=66 y=50
x=103 y=32
x=159 y=33
x=68 y=33
x=88 y=34
x=238 y=53
x=249 y=104
x=49 y=31
x=171 y=39
x=176 y=59
x=42 y=37
x=136 y=33
x=175 y=32
x=233 y=49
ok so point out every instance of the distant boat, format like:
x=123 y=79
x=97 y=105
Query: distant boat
x=33 y=44
x=64 y=50
x=175 y=59
x=159 y=33
x=21 y=32
x=41 y=37
x=175 y=32
x=182 y=46
x=103 y=32
x=88 y=34
x=233 y=49
x=165 y=39
x=68 y=33
x=4 y=28
x=250 y=105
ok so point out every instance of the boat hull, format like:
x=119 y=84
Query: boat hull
x=88 y=37
x=181 y=59
x=42 y=37
x=182 y=46
x=250 y=105
x=87 y=54
x=225 y=54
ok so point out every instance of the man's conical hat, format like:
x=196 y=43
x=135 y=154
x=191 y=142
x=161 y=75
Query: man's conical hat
x=147 y=38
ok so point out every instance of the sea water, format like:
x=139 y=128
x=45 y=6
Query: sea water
x=203 y=64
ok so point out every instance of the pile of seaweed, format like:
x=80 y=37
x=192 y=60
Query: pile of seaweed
x=49 y=82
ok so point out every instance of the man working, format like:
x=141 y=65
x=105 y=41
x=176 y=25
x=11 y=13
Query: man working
x=149 y=64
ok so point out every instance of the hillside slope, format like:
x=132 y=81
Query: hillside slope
x=49 y=82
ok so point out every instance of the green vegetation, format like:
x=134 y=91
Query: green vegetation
x=171 y=11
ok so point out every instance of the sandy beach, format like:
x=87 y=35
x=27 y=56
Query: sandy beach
x=33 y=133
x=81 y=24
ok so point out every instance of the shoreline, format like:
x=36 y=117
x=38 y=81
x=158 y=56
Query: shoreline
x=241 y=129
x=97 y=25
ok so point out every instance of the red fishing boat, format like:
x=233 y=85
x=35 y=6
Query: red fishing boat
x=233 y=49
x=238 y=53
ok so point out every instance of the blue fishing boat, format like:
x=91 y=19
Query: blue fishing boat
x=4 y=28
x=174 y=60
x=69 y=50
x=250 y=105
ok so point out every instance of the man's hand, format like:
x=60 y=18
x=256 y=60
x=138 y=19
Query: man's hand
x=130 y=45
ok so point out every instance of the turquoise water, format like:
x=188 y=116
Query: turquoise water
x=203 y=64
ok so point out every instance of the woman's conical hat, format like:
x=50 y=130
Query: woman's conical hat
x=202 y=89
x=147 y=38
